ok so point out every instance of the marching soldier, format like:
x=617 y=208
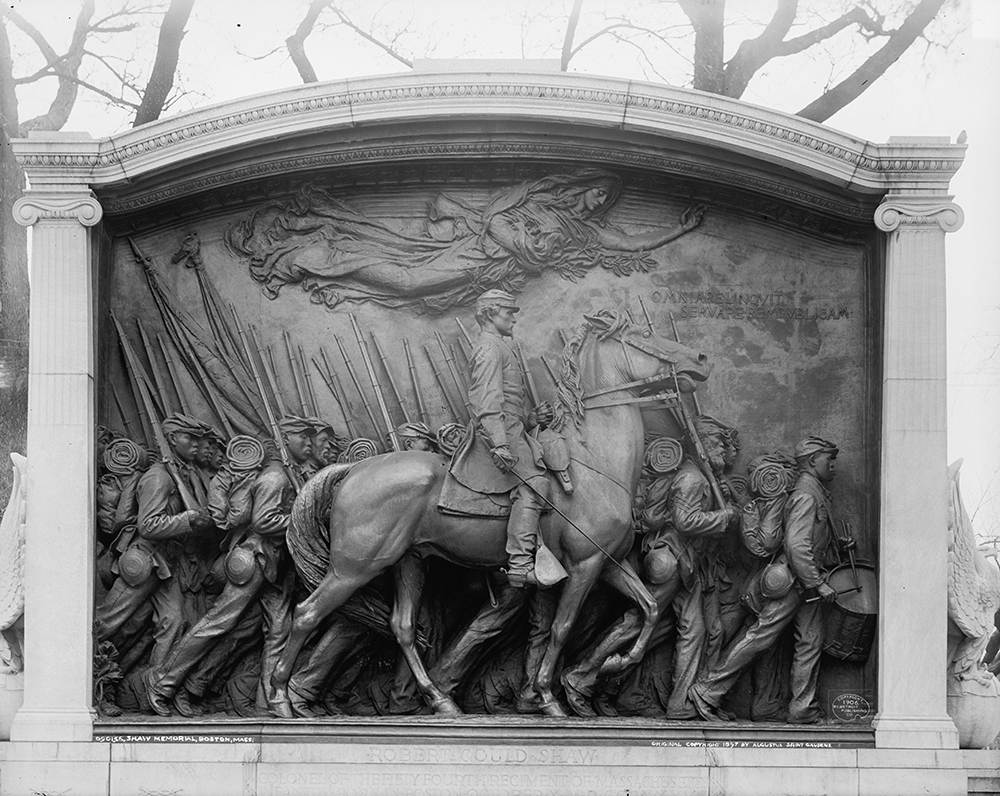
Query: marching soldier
x=146 y=570
x=257 y=567
x=810 y=553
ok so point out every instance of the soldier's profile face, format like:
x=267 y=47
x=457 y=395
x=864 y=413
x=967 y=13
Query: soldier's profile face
x=184 y=445
x=300 y=445
x=824 y=467
x=504 y=321
x=417 y=444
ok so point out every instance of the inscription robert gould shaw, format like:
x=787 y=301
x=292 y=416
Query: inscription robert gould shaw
x=727 y=304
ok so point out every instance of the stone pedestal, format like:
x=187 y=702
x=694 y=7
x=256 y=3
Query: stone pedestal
x=59 y=543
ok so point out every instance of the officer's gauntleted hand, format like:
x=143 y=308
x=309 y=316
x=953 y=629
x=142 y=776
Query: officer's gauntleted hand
x=826 y=592
x=503 y=458
x=541 y=415
x=200 y=520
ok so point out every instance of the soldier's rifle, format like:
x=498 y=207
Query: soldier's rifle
x=357 y=384
x=307 y=377
x=166 y=453
x=441 y=386
x=174 y=376
x=376 y=386
x=121 y=413
x=338 y=392
x=154 y=368
x=549 y=370
x=333 y=391
x=703 y=462
x=465 y=333
x=529 y=379
x=460 y=385
x=272 y=421
x=392 y=380
x=421 y=409
x=677 y=337
x=649 y=325
x=296 y=379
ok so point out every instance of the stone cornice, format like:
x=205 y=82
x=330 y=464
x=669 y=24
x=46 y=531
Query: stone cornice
x=80 y=206
x=919 y=211
x=551 y=103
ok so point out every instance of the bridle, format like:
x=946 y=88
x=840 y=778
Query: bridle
x=669 y=397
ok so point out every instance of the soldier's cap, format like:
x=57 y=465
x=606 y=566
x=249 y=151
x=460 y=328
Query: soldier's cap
x=706 y=425
x=181 y=423
x=497 y=298
x=811 y=445
x=415 y=430
x=293 y=424
x=214 y=435
x=320 y=424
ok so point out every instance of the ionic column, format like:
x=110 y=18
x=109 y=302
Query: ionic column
x=913 y=591
x=59 y=573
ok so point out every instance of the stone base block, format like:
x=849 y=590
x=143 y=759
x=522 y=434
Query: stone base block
x=373 y=765
x=916 y=732
x=983 y=768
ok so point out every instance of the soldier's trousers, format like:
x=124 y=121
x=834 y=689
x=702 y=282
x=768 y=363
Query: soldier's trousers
x=688 y=649
x=221 y=620
x=774 y=617
x=122 y=601
x=338 y=640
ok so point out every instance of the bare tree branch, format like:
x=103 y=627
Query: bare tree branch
x=33 y=33
x=850 y=89
x=62 y=104
x=296 y=43
x=369 y=37
x=752 y=54
x=161 y=78
x=571 y=23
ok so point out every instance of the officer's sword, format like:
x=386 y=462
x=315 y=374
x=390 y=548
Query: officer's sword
x=580 y=530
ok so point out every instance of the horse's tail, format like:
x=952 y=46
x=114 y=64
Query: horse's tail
x=308 y=534
x=308 y=541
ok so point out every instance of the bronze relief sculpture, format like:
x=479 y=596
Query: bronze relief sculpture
x=294 y=577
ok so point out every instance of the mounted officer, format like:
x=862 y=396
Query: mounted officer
x=500 y=425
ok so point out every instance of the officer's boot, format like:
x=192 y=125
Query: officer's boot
x=522 y=533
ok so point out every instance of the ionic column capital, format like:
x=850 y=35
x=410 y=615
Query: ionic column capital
x=79 y=205
x=919 y=211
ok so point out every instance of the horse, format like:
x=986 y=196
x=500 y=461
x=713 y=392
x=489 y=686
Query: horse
x=383 y=511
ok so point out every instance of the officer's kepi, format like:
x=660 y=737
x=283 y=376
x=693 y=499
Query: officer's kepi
x=497 y=298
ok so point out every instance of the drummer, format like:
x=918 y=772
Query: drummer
x=810 y=553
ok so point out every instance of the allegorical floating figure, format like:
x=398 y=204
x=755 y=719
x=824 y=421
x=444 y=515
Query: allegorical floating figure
x=339 y=254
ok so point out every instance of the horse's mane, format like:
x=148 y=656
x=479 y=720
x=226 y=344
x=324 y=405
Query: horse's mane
x=569 y=407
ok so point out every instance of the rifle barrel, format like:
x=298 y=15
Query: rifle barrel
x=440 y=382
x=462 y=388
x=421 y=409
x=154 y=368
x=392 y=380
x=166 y=454
x=376 y=386
x=267 y=364
x=529 y=380
x=174 y=376
x=357 y=384
x=121 y=413
x=299 y=391
x=677 y=338
x=340 y=395
x=279 y=440
x=307 y=377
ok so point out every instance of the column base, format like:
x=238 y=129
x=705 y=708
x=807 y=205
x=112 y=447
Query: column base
x=53 y=724
x=915 y=732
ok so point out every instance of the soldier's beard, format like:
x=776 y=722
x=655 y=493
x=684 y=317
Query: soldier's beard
x=717 y=461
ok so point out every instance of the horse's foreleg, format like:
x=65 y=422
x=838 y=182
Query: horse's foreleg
x=625 y=580
x=410 y=574
x=332 y=592
x=582 y=578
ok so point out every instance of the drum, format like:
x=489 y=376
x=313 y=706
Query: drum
x=850 y=623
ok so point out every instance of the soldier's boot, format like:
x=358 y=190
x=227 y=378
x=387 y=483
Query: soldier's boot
x=522 y=531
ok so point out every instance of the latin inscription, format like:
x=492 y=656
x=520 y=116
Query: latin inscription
x=734 y=305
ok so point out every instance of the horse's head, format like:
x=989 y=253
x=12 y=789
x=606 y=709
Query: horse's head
x=646 y=354
x=609 y=354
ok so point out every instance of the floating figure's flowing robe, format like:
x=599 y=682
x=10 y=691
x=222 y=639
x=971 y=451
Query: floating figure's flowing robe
x=338 y=254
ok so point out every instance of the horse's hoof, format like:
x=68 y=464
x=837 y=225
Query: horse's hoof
x=577 y=697
x=551 y=707
x=445 y=706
